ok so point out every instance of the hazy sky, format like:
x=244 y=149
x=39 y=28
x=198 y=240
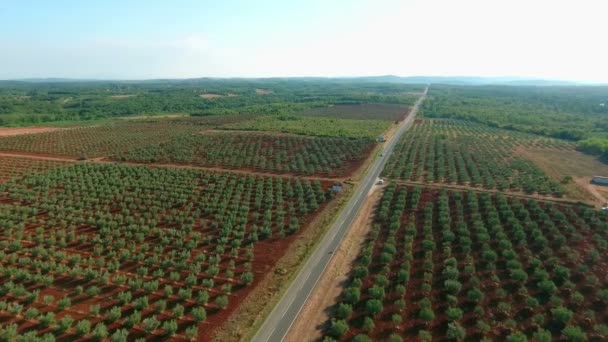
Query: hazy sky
x=134 y=39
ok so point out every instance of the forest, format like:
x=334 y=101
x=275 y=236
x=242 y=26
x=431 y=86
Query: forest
x=572 y=113
x=23 y=103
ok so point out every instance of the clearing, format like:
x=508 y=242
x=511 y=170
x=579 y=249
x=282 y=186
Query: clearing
x=581 y=167
x=119 y=97
x=10 y=131
x=263 y=91
x=210 y=96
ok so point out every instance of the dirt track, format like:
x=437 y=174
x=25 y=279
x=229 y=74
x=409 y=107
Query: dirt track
x=102 y=160
x=9 y=131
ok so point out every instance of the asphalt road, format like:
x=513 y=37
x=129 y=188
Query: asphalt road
x=281 y=318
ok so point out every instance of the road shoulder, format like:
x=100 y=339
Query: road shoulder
x=309 y=325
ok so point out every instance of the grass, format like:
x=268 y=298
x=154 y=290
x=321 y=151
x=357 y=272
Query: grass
x=366 y=111
x=314 y=126
x=559 y=164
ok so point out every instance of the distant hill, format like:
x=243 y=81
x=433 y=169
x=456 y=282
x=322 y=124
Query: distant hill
x=468 y=80
x=454 y=80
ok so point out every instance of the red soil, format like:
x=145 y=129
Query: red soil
x=9 y=131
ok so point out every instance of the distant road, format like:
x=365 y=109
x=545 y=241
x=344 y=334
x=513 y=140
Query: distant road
x=281 y=318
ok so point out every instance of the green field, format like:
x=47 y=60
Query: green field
x=314 y=126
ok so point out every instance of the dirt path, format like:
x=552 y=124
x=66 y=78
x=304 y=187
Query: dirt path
x=584 y=183
x=37 y=156
x=517 y=194
x=10 y=131
x=309 y=325
x=103 y=160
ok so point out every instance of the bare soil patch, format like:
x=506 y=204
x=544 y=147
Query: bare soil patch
x=210 y=96
x=263 y=91
x=143 y=117
x=9 y=131
x=309 y=324
x=558 y=164
x=121 y=96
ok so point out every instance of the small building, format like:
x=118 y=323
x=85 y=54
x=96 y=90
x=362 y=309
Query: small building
x=600 y=180
x=381 y=139
x=336 y=188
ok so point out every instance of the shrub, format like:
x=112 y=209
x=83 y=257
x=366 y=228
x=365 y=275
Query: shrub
x=376 y=292
x=368 y=324
x=425 y=336
x=426 y=314
x=222 y=301
x=46 y=320
x=199 y=314
x=344 y=311
x=574 y=333
x=150 y=324
x=178 y=311
x=170 y=327
x=192 y=332
x=100 y=332
x=247 y=278
x=338 y=328
x=517 y=337
x=65 y=323
x=454 y=314
x=542 y=335
x=83 y=327
x=352 y=295
x=31 y=313
x=114 y=314
x=362 y=338
x=373 y=307
x=120 y=335
x=475 y=295
x=561 y=314
x=547 y=286
x=456 y=331
x=452 y=286
x=395 y=338
x=64 y=302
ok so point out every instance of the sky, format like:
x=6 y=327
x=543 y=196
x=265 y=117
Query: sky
x=143 y=39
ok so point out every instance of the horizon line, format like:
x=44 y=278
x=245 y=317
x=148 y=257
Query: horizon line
x=456 y=77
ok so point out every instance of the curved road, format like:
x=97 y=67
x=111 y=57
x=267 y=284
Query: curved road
x=281 y=318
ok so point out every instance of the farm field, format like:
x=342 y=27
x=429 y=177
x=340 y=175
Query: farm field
x=298 y=155
x=467 y=266
x=14 y=166
x=366 y=111
x=460 y=152
x=314 y=126
x=94 y=141
x=42 y=103
x=98 y=250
